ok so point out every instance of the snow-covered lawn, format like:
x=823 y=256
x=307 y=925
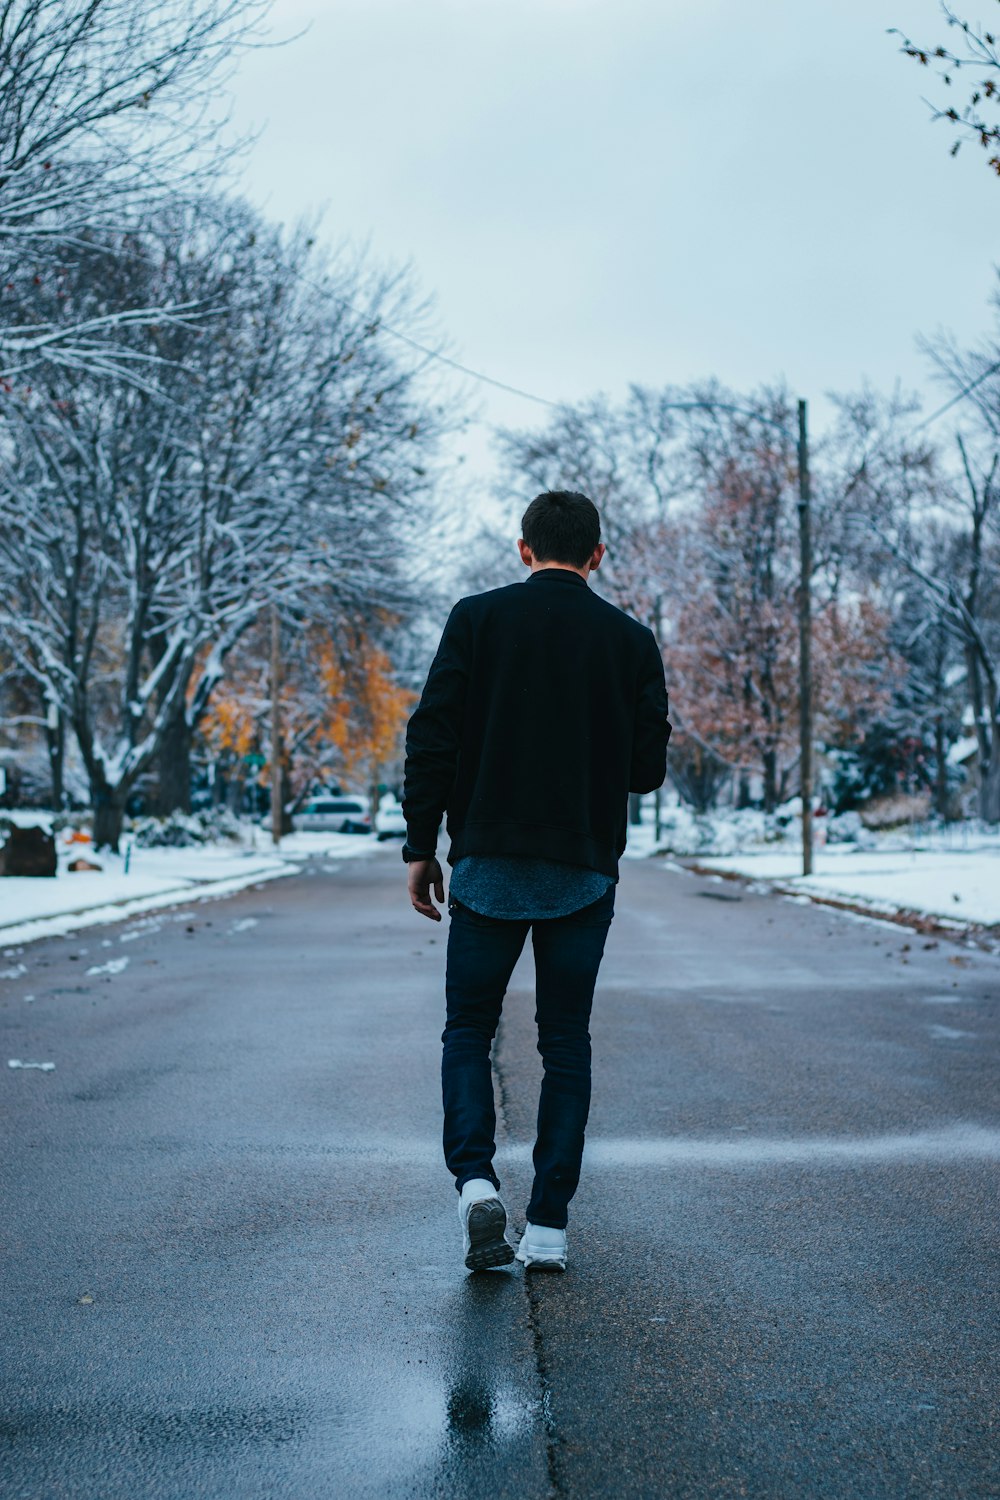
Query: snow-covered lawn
x=953 y=873
x=964 y=887
x=33 y=907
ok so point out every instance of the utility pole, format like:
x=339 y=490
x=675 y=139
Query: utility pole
x=277 y=810
x=805 y=647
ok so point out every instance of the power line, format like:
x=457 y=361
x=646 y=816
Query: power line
x=435 y=354
x=454 y=364
x=991 y=370
x=516 y=390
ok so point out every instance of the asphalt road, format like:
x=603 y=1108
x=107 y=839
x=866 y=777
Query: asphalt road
x=231 y=1255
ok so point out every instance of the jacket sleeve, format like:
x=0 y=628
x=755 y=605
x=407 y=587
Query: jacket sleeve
x=652 y=727
x=434 y=735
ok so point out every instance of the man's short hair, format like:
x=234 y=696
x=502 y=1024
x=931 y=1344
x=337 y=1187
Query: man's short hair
x=562 y=526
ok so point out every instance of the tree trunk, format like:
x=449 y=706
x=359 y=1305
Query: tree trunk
x=173 y=764
x=109 y=810
x=770 y=770
x=989 y=780
x=56 y=741
x=634 y=808
x=234 y=780
x=940 y=769
x=287 y=824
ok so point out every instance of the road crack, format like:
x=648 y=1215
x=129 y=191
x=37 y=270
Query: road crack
x=553 y=1440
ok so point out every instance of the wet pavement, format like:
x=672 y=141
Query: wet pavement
x=232 y=1261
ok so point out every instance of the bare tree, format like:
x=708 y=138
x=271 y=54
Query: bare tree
x=143 y=529
x=967 y=606
x=976 y=50
x=106 y=108
x=697 y=489
x=626 y=459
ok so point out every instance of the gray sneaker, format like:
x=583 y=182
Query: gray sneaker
x=542 y=1248
x=484 y=1222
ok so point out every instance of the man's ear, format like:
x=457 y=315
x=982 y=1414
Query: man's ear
x=598 y=553
x=527 y=556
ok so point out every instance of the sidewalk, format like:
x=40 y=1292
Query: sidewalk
x=37 y=907
x=958 y=884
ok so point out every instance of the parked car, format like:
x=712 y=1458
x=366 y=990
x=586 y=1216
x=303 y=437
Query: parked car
x=333 y=815
x=389 y=821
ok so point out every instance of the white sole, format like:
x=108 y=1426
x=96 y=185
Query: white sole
x=540 y=1261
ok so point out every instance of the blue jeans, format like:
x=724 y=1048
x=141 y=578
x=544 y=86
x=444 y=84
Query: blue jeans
x=482 y=952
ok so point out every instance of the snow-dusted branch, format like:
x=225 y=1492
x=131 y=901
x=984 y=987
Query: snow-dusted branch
x=108 y=110
x=144 y=529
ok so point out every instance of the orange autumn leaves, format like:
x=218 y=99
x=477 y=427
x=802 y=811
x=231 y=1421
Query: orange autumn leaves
x=367 y=710
x=343 y=712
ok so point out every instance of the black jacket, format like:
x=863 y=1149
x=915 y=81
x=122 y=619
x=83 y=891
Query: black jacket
x=543 y=708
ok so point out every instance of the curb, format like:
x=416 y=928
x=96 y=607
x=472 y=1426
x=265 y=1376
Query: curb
x=982 y=935
x=15 y=934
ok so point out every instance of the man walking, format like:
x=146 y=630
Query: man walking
x=543 y=708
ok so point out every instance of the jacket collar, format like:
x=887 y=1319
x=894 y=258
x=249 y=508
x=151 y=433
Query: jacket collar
x=557 y=575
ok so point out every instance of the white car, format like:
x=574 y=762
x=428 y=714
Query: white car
x=333 y=815
x=389 y=821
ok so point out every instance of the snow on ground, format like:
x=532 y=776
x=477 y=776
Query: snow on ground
x=34 y=907
x=951 y=872
x=962 y=887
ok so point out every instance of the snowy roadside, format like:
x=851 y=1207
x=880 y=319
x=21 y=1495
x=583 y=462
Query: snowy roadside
x=37 y=907
x=899 y=877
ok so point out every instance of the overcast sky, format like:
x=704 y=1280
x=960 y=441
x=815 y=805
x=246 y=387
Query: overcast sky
x=604 y=191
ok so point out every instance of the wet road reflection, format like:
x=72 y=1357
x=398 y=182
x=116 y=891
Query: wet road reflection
x=470 y=1411
x=449 y=1404
x=492 y=1406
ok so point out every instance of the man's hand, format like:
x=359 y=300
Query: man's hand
x=421 y=875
